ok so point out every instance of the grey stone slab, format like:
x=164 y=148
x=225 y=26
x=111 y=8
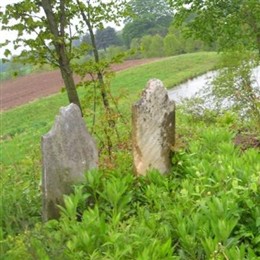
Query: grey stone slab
x=153 y=135
x=68 y=151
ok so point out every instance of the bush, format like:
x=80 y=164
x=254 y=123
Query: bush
x=172 y=46
x=152 y=46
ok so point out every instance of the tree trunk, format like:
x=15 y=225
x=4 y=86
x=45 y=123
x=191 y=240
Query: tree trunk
x=96 y=57
x=67 y=77
x=60 y=48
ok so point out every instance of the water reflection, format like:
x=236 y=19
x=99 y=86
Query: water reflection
x=195 y=86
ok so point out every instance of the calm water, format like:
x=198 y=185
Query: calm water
x=192 y=87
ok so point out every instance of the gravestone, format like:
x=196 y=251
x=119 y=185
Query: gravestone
x=153 y=136
x=68 y=151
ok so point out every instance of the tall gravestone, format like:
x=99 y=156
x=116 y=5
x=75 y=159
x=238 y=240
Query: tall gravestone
x=68 y=151
x=153 y=136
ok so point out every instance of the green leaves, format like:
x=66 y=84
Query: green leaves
x=229 y=23
x=236 y=83
x=7 y=53
x=207 y=208
x=75 y=203
x=118 y=194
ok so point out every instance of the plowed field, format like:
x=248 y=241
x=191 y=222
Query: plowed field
x=23 y=89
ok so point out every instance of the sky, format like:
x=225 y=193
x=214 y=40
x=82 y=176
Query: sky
x=11 y=35
x=6 y=35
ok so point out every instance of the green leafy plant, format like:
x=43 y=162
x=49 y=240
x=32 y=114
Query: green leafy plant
x=236 y=84
x=205 y=208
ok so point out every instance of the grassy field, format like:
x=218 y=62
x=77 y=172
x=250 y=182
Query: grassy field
x=171 y=71
x=22 y=127
x=206 y=208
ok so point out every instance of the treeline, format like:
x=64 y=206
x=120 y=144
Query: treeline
x=148 y=32
x=151 y=43
x=171 y=44
x=154 y=40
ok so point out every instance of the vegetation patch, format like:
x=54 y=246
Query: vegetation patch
x=206 y=208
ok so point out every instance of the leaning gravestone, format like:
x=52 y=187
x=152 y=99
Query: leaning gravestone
x=68 y=152
x=153 y=120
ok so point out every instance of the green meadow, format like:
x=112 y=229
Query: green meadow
x=22 y=127
x=207 y=207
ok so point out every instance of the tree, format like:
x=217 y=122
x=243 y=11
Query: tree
x=176 y=43
x=156 y=48
x=152 y=46
x=235 y=84
x=50 y=41
x=93 y=15
x=147 y=17
x=229 y=23
x=139 y=28
x=172 y=45
x=149 y=10
x=136 y=29
x=49 y=24
x=146 y=45
x=106 y=37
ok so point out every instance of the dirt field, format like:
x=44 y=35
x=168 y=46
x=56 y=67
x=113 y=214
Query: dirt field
x=21 y=90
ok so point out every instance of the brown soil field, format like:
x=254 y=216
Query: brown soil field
x=19 y=91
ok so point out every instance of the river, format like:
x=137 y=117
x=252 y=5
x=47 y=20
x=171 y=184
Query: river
x=193 y=87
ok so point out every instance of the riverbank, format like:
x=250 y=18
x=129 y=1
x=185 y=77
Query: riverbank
x=194 y=86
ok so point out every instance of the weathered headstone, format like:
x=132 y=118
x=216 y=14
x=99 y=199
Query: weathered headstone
x=153 y=120
x=68 y=151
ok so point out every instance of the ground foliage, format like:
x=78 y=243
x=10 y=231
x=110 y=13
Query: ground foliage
x=206 y=208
